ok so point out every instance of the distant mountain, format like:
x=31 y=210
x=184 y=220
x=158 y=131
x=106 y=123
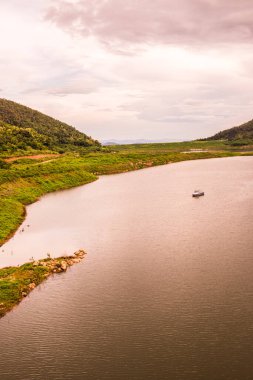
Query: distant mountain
x=23 y=128
x=137 y=141
x=242 y=132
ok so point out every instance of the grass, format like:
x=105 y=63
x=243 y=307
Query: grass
x=14 y=281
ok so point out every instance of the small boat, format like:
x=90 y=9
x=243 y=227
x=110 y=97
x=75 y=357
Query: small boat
x=198 y=193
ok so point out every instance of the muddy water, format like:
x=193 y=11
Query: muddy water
x=166 y=289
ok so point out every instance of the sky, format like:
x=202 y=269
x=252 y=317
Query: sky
x=131 y=69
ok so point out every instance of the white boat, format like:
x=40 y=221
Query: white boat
x=198 y=193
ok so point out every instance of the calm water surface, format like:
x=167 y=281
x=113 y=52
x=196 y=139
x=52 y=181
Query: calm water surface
x=165 y=292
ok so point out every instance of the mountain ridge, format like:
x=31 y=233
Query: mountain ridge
x=24 y=128
x=241 y=132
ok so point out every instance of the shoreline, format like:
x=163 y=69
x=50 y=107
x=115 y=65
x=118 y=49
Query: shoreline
x=17 y=282
x=12 y=233
x=84 y=177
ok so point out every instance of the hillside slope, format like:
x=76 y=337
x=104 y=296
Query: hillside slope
x=24 y=128
x=242 y=132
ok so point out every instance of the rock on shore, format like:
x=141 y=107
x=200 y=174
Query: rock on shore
x=61 y=264
x=17 y=282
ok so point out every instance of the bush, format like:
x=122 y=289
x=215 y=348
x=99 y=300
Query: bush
x=3 y=164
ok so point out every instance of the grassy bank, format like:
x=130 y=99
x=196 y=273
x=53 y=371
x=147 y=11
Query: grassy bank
x=17 y=282
x=23 y=181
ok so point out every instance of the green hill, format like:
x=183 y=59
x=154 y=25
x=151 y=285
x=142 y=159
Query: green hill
x=243 y=134
x=22 y=128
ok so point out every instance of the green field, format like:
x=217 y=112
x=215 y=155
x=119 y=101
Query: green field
x=25 y=180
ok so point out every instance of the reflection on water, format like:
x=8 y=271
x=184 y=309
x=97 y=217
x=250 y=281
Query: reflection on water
x=166 y=289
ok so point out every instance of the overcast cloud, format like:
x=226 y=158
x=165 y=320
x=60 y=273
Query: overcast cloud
x=131 y=69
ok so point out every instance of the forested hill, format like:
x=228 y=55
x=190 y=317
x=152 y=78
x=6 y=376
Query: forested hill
x=22 y=128
x=242 y=132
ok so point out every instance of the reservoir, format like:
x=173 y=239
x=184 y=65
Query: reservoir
x=165 y=291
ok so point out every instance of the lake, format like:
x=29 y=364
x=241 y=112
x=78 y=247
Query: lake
x=165 y=291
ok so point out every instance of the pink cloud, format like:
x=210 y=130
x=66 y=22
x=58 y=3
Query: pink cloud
x=156 y=21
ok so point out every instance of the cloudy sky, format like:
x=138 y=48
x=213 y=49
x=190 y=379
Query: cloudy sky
x=129 y=69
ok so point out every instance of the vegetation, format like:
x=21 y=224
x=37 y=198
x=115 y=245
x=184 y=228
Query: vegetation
x=24 y=129
x=24 y=180
x=237 y=136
